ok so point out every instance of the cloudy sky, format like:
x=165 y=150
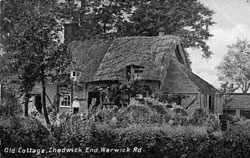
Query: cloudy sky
x=232 y=19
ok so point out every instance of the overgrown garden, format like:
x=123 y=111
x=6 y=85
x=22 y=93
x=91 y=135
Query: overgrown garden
x=149 y=130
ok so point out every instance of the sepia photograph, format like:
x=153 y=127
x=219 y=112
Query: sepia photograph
x=124 y=78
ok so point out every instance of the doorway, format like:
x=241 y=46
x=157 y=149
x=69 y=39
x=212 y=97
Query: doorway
x=211 y=104
x=93 y=98
x=38 y=103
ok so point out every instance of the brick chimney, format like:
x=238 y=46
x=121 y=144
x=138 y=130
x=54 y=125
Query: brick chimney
x=70 y=32
x=161 y=31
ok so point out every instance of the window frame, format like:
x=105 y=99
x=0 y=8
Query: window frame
x=68 y=99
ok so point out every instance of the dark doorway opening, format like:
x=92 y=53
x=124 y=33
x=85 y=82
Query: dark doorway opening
x=211 y=104
x=93 y=98
x=38 y=103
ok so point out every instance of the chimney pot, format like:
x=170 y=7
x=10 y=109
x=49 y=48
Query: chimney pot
x=70 y=32
x=161 y=31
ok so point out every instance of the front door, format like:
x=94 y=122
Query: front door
x=93 y=99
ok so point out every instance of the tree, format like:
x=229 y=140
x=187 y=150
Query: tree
x=31 y=42
x=96 y=19
x=235 y=67
x=189 y=20
x=227 y=87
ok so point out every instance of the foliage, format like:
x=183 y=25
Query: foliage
x=161 y=140
x=189 y=20
x=120 y=95
x=236 y=65
x=86 y=132
x=170 y=98
x=227 y=88
x=24 y=133
x=31 y=42
x=10 y=107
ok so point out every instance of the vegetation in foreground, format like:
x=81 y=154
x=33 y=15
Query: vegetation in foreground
x=134 y=131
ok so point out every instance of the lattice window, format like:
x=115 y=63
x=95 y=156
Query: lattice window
x=65 y=100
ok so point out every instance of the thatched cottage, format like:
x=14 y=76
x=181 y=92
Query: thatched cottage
x=159 y=63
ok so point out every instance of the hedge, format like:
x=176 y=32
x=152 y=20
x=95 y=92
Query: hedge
x=160 y=141
x=149 y=140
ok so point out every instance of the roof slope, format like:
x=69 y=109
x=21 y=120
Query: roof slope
x=88 y=55
x=180 y=79
x=150 y=52
x=106 y=60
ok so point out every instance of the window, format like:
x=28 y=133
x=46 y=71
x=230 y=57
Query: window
x=65 y=100
x=75 y=75
x=133 y=72
x=245 y=113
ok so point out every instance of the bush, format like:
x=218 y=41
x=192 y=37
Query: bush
x=141 y=127
x=24 y=133
x=10 y=107
x=152 y=140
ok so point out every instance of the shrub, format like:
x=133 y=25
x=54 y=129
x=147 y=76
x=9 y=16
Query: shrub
x=10 y=107
x=154 y=140
x=24 y=133
x=141 y=126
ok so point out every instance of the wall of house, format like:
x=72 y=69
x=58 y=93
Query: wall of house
x=213 y=105
x=218 y=103
x=194 y=101
x=79 y=90
x=50 y=91
x=237 y=104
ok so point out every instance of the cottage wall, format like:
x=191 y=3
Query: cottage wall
x=50 y=91
x=189 y=98
x=218 y=104
x=209 y=103
x=79 y=90
x=237 y=104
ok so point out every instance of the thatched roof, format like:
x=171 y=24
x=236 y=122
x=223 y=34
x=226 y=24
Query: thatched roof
x=152 y=53
x=88 y=55
x=180 y=79
x=106 y=60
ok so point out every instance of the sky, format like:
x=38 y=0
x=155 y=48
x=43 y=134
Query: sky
x=232 y=19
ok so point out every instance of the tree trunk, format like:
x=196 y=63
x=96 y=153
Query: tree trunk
x=44 y=100
x=57 y=98
x=26 y=104
x=244 y=91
